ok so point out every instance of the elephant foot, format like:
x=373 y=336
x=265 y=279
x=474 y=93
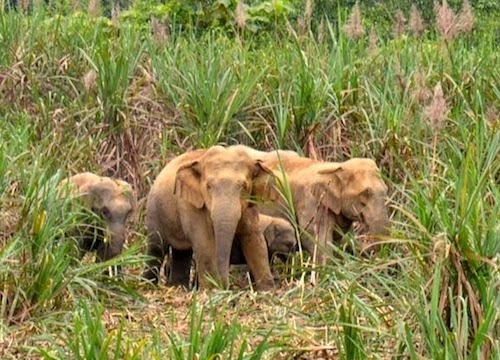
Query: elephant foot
x=265 y=284
x=178 y=282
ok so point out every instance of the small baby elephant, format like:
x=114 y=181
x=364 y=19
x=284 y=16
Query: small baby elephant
x=112 y=201
x=280 y=239
x=278 y=233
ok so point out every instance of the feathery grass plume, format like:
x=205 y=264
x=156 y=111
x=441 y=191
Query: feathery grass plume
x=438 y=109
x=89 y=80
x=76 y=5
x=94 y=8
x=160 y=32
x=24 y=5
x=354 y=28
x=115 y=15
x=416 y=22
x=308 y=13
x=466 y=18
x=399 y=26
x=373 y=41
x=241 y=15
x=321 y=31
x=493 y=117
x=301 y=26
x=420 y=92
x=446 y=21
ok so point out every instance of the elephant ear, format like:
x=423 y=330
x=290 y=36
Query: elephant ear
x=91 y=193
x=125 y=189
x=328 y=189
x=188 y=183
x=260 y=169
x=260 y=182
x=270 y=234
x=267 y=228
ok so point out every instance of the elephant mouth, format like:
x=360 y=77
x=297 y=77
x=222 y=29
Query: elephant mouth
x=368 y=242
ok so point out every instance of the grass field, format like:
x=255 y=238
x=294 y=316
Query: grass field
x=121 y=98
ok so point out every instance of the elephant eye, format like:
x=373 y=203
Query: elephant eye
x=106 y=214
x=365 y=196
x=242 y=184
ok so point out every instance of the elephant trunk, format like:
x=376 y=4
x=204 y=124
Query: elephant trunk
x=226 y=214
x=113 y=243
x=376 y=221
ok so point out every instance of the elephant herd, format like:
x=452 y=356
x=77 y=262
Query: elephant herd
x=234 y=205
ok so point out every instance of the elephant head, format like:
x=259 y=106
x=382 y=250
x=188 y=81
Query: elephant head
x=355 y=190
x=112 y=201
x=220 y=182
x=279 y=234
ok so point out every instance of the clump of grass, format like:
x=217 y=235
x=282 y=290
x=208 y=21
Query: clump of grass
x=431 y=291
x=210 y=94
x=88 y=338
x=113 y=67
x=221 y=341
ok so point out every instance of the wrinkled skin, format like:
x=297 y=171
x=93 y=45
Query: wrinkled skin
x=197 y=205
x=111 y=201
x=279 y=235
x=328 y=197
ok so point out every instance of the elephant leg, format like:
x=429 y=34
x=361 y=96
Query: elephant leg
x=204 y=257
x=180 y=268
x=254 y=247
x=156 y=251
x=203 y=248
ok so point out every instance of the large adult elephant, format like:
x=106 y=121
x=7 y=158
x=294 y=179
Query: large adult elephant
x=327 y=198
x=111 y=201
x=197 y=205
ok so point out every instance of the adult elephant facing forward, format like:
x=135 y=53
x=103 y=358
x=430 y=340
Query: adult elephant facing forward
x=328 y=197
x=197 y=205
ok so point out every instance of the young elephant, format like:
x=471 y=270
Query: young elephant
x=197 y=205
x=279 y=235
x=328 y=197
x=112 y=201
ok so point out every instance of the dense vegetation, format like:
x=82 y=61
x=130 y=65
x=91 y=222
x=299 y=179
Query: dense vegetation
x=122 y=95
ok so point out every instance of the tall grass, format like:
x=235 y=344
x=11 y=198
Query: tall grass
x=432 y=292
x=210 y=87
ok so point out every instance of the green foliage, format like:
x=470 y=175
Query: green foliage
x=203 y=15
x=88 y=338
x=432 y=292
x=114 y=65
x=210 y=89
x=217 y=342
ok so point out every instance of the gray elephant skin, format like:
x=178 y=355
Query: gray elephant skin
x=197 y=205
x=279 y=235
x=327 y=197
x=112 y=201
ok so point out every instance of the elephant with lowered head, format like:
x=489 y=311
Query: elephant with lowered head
x=328 y=197
x=279 y=235
x=197 y=205
x=112 y=201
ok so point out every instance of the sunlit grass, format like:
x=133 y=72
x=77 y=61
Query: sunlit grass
x=432 y=292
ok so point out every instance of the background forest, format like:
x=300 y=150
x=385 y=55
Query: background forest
x=119 y=88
